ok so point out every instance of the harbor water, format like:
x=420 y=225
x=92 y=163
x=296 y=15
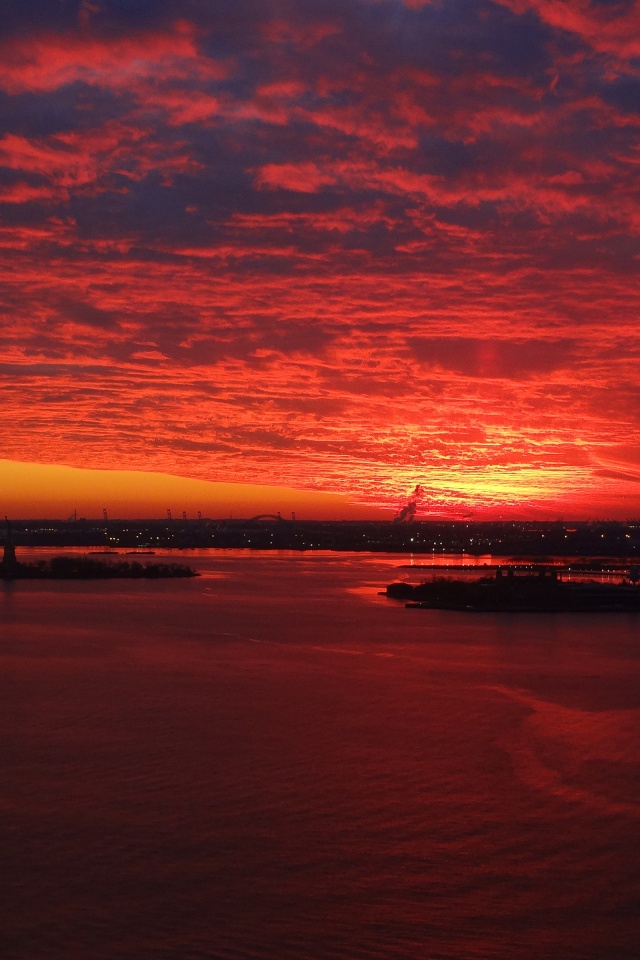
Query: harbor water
x=272 y=760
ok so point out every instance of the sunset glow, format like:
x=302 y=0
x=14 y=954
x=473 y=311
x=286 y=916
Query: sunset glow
x=45 y=491
x=339 y=248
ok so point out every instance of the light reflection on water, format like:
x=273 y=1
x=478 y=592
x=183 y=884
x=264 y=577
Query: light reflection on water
x=273 y=761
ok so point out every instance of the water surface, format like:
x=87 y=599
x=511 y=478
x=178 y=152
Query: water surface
x=272 y=760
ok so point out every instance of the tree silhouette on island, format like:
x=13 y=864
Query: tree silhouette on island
x=83 y=568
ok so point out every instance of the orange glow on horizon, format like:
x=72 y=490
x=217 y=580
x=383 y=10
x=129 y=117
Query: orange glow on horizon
x=32 y=491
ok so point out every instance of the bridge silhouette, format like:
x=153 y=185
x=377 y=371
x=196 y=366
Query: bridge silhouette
x=273 y=516
x=268 y=516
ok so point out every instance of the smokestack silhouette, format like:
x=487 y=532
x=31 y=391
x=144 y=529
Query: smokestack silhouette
x=408 y=512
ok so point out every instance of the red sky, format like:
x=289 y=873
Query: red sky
x=342 y=246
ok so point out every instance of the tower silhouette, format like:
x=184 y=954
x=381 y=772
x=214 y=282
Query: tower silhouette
x=9 y=562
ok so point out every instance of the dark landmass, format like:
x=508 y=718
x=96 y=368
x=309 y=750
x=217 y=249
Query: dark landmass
x=600 y=565
x=82 y=568
x=511 y=591
x=429 y=537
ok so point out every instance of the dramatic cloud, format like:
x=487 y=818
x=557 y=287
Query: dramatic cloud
x=363 y=246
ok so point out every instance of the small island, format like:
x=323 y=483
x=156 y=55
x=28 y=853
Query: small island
x=84 y=568
x=516 y=592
